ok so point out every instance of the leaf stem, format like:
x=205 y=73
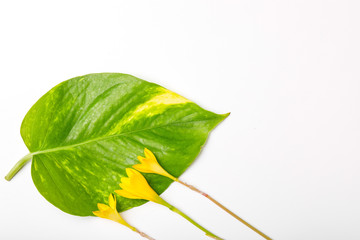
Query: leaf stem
x=207 y=232
x=20 y=164
x=224 y=208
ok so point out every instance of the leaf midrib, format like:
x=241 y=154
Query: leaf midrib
x=111 y=136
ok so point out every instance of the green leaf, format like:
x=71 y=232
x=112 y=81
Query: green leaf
x=84 y=132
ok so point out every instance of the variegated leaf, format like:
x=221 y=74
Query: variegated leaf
x=84 y=132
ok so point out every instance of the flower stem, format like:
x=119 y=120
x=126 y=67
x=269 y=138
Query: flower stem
x=20 y=164
x=224 y=208
x=208 y=233
x=144 y=235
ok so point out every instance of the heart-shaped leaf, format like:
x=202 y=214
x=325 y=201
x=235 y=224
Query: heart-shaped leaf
x=84 y=132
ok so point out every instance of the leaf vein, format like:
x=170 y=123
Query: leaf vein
x=114 y=136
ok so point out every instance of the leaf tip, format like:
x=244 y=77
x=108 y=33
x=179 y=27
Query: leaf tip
x=225 y=115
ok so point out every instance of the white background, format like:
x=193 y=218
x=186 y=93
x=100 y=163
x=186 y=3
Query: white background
x=286 y=159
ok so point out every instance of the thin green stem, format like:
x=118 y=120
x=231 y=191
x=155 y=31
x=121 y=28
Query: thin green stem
x=207 y=232
x=224 y=208
x=20 y=164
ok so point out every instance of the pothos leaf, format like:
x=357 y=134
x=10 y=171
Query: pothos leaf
x=84 y=132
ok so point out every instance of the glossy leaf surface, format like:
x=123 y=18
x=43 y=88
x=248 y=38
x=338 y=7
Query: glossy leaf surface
x=85 y=131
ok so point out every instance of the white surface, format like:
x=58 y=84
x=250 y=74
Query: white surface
x=287 y=158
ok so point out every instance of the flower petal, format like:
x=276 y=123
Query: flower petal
x=143 y=168
x=99 y=214
x=151 y=165
x=130 y=172
x=138 y=188
x=112 y=202
x=149 y=155
x=141 y=159
x=102 y=207
x=125 y=181
x=127 y=194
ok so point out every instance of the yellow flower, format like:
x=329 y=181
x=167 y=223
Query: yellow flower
x=110 y=212
x=135 y=186
x=149 y=164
